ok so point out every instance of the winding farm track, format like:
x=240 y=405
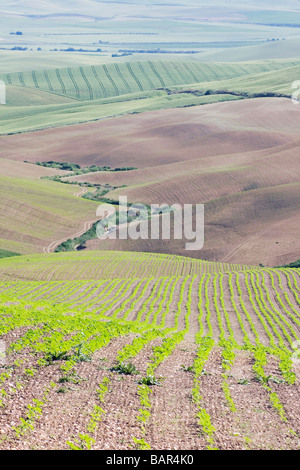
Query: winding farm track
x=87 y=225
x=53 y=245
x=81 y=192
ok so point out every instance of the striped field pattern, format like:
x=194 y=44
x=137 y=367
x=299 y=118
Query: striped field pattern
x=115 y=79
x=61 y=313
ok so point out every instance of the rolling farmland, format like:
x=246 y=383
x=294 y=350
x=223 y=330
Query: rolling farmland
x=215 y=342
x=27 y=203
x=57 y=97
x=140 y=344
x=104 y=81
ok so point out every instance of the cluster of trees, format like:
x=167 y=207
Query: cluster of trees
x=72 y=49
x=60 y=166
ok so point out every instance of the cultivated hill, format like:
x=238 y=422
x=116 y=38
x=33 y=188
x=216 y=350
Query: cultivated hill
x=147 y=351
x=36 y=213
x=56 y=97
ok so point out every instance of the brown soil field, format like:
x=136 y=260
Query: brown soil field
x=161 y=137
x=16 y=169
x=239 y=159
x=251 y=227
x=173 y=425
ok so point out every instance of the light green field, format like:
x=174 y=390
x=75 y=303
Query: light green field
x=108 y=80
x=107 y=265
x=271 y=50
x=34 y=213
x=278 y=81
x=25 y=119
x=62 y=96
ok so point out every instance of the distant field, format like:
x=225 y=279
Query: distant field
x=275 y=81
x=14 y=169
x=170 y=120
x=31 y=118
x=231 y=156
x=270 y=50
x=104 y=81
x=240 y=159
x=63 y=96
x=162 y=137
x=103 y=265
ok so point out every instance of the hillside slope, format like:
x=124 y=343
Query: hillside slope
x=114 y=351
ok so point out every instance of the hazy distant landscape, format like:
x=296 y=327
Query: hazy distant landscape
x=181 y=103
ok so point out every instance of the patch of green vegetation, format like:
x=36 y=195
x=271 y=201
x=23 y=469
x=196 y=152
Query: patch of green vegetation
x=294 y=264
x=61 y=166
x=150 y=380
x=100 y=192
x=8 y=254
x=76 y=169
x=124 y=368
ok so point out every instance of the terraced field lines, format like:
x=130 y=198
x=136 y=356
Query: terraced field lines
x=107 y=305
x=272 y=313
x=90 y=90
x=131 y=298
x=261 y=317
x=63 y=88
x=288 y=314
x=99 y=299
x=258 y=367
x=137 y=81
x=207 y=306
x=86 y=441
x=103 y=89
x=50 y=88
x=154 y=70
x=173 y=281
x=122 y=78
x=137 y=298
x=116 y=90
x=205 y=345
x=76 y=88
